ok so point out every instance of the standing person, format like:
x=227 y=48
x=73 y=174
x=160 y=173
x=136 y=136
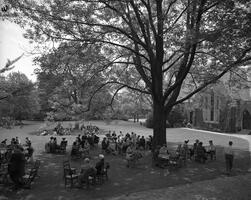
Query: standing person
x=229 y=157
x=211 y=150
x=16 y=167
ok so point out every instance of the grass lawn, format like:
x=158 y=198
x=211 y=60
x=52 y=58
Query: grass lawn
x=123 y=180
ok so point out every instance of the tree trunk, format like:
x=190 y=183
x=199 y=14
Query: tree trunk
x=159 y=124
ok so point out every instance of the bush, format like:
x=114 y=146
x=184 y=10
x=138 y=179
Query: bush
x=174 y=119
x=149 y=121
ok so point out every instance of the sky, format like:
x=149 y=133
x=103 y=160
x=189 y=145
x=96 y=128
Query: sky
x=12 y=45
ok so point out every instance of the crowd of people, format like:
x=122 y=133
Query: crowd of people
x=82 y=144
x=16 y=155
x=53 y=147
x=118 y=143
x=185 y=152
x=128 y=145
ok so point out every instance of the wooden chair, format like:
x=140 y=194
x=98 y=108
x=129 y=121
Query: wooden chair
x=136 y=156
x=4 y=173
x=70 y=178
x=210 y=153
x=69 y=173
x=175 y=162
x=29 y=178
x=67 y=166
x=62 y=148
x=88 y=177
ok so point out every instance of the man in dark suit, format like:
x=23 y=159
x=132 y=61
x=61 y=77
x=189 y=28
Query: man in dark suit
x=16 y=167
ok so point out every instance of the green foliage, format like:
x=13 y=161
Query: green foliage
x=176 y=117
x=68 y=79
x=19 y=97
x=153 y=47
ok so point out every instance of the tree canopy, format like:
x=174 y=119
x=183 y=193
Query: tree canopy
x=151 y=46
x=68 y=78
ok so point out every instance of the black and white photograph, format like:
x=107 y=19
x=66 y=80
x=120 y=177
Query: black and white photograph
x=125 y=99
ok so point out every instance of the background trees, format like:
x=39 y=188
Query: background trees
x=67 y=80
x=153 y=47
x=19 y=97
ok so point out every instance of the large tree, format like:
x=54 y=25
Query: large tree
x=154 y=46
x=67 y=79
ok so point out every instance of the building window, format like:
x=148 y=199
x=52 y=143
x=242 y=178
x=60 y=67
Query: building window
x=211 y=108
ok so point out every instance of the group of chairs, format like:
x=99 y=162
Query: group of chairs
x=173 y=162
x=134 y=159
x=71 y=176
x=180 y=157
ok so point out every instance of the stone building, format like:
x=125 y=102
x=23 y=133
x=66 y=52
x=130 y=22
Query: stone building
x=220 y=108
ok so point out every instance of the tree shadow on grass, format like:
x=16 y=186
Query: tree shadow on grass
x=123 y=180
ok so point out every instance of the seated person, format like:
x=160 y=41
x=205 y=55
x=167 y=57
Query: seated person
x=179 y=150
x=163 y=156
x=62 y=147
x=59 y=129
x=90 y=140
x=100 y=164
x=48 y=145
x=75 y=149
x=129 y=154
x=142 y=143
x=53 y=145
x=18 y=141
x=78 y=140
x=29 y=154
x=82 y=127
x=4 y=143
x=114 y=136
x=96 y=139
x=201 y=153
x=156 y=153
x=13 y=141
x=86 y=170
x=149 y=142
x=125 y=143
x=63 y=143
x=112 y=147
x=27 y=142
x=163 y=152
x=186 y=152
x=105 y=144
x=194 y=150
x=85 y=150
x=211 y=150
x=132 y=155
